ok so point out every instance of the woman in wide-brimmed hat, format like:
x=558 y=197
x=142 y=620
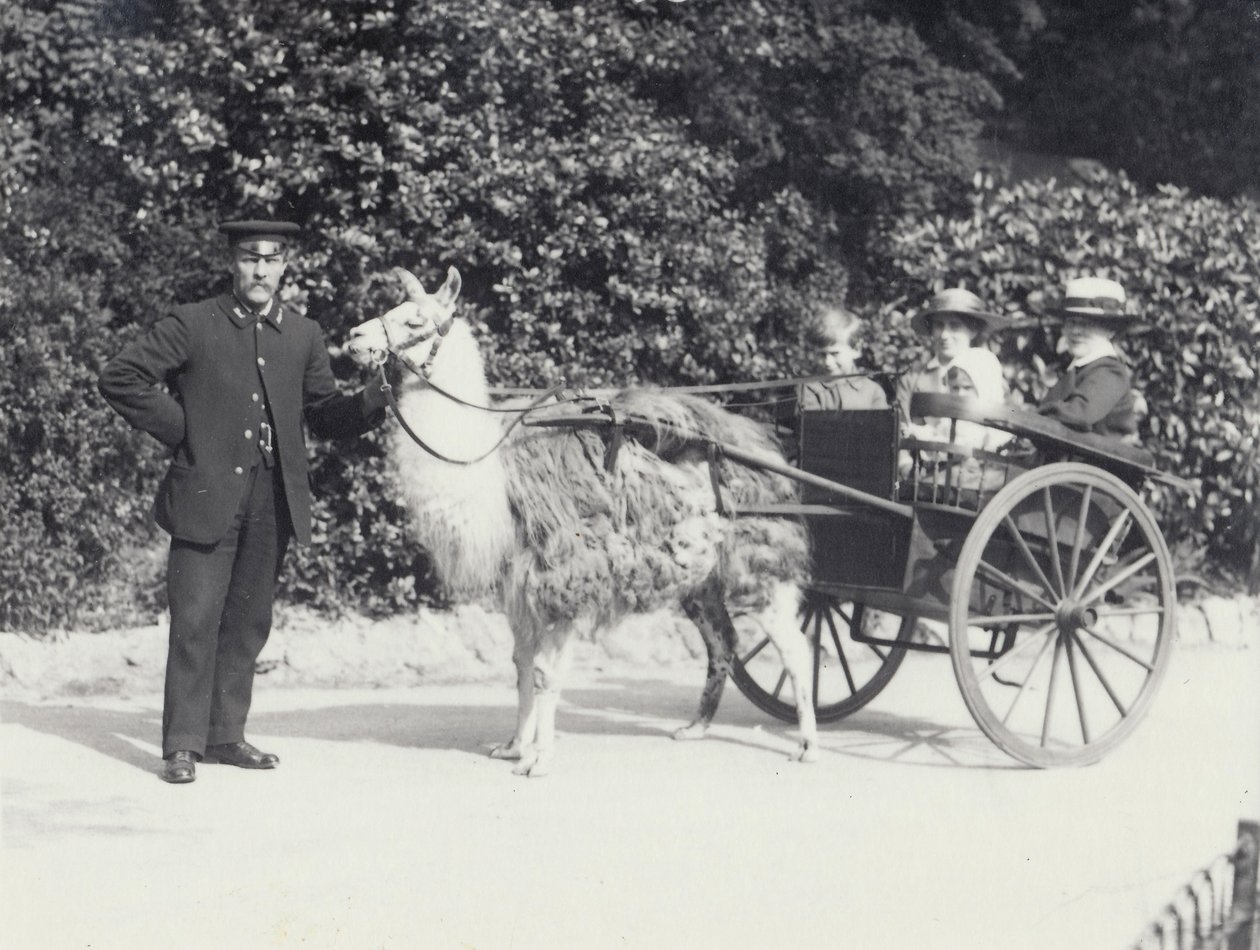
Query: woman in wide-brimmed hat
x=955 y=319
x=1095 y=392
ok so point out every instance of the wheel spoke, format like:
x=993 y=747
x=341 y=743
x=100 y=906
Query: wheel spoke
x=1028 y=556
x=1054 y=675
x=1089 y=658
x=1052 y=536
x=1119 y=649
x=844 y=663
x=1012 y=584
x=1076 y=688
x=747 y=657
x=1079 y=541
x=1088 y=575
x=1045 y=646
x=1000 y=663
x=778 y=687
x=816 y=643
x=1096 y=593
x=808 y=614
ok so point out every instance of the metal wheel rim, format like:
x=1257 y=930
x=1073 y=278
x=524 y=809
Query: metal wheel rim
x=1082 y=647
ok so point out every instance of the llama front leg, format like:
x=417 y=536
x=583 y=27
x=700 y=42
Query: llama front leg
x=779 y=623
x=551 y=665
x=526 y=711
x=707 y=610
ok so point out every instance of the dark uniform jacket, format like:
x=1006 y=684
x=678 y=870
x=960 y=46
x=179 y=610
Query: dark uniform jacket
x=1096 y=397
x=202 y=381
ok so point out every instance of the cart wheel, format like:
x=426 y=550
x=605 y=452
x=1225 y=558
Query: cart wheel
x=848 y=673
x=1059 y=647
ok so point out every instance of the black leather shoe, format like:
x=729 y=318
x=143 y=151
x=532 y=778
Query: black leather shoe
x=242 y=755
x=180 y=768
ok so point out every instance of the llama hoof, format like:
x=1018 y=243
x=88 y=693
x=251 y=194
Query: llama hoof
x=695 y=730
x=541 y=767
x=508 y=750
x=528 y=758
x=805 y=753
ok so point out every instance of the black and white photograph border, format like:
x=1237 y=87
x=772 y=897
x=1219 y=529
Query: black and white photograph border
x=612 y=665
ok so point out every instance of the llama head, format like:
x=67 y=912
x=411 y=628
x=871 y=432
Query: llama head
x=413 y=327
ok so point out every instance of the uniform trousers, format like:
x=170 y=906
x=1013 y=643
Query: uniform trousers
x=220 y=598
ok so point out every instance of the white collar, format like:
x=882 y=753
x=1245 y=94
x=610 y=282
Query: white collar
x=1096 y=352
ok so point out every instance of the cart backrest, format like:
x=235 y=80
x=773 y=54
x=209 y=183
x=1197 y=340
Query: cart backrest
x=855 y=447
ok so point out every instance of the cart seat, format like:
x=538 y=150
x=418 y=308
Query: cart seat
x=960 y=476
x=855 y=447
x=851 y=543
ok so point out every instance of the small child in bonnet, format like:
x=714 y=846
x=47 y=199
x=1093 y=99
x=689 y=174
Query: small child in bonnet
x=977 y=373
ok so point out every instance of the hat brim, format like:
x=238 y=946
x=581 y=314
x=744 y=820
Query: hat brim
x=921 y=323
x=1098 y=315
x=234 y=229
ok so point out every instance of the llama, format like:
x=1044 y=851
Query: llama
x=572 y=527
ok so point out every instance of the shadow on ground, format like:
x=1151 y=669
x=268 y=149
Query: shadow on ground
x=634 y=707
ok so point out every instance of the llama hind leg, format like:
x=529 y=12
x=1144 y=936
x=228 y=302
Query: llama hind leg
x=779 y=622
x=526 y=711
x=551 y=665
x=707 y=611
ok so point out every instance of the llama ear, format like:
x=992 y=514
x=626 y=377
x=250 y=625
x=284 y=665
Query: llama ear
x=449 y=291
x=411 y=285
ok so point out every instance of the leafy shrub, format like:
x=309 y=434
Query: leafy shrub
x=1189 y=266
x=74 y=485
x=619 y=182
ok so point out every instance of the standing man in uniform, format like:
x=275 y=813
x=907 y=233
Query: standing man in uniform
x=225 y=383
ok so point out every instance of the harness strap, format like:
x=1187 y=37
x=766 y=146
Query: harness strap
x=785 y=383
x=715 y=456
x=399 y=351
x=614 y=440
x=388 y=390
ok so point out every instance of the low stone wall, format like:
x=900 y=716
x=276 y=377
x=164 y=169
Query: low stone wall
x=468 y=643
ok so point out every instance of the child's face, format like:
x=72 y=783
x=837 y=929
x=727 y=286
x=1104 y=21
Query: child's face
x=1081 y=335
x=839 y=356
x=960 y=384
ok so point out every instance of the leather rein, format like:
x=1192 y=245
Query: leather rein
x=398 y=351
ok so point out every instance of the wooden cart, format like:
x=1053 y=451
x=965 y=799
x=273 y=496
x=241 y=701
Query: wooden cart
x=1047 y=577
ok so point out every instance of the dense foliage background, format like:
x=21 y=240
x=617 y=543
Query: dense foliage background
x=1191 y=266
x=652 y=191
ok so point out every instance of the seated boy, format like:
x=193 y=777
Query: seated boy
x=837 y=328
x=1094 y=394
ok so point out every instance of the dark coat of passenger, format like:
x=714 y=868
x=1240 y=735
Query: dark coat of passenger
x=1096 y=397
x=203 y=379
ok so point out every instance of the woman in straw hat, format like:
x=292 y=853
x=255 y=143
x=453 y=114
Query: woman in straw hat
x=1095 y=393
x=956 y=320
